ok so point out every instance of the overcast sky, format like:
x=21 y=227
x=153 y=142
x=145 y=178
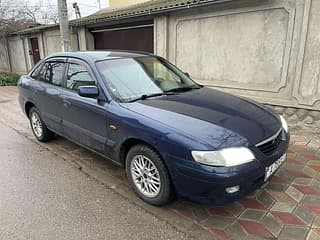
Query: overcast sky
x=87 y=7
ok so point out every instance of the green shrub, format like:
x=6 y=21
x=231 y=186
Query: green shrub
x=9 y=79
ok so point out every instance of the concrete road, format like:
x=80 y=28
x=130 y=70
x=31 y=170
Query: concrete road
x=44 y=197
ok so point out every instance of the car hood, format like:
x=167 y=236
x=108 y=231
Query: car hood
x=212 y=116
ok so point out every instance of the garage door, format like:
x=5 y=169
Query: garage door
x=139 y=38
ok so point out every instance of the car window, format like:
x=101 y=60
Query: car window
x=127 y=78
x=53 y=73
x=131 y=78
x=36 y=72
x=160 y=72
x=78 y=76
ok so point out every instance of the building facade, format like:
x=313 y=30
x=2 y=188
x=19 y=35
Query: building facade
x=266 y=50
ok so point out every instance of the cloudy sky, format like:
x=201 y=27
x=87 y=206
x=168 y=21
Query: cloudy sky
x=86 y=6
x=48 y=8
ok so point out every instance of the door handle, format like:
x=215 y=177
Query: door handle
x=35 y=92
x=66 y=102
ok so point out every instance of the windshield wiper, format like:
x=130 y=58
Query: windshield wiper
x=145 y=96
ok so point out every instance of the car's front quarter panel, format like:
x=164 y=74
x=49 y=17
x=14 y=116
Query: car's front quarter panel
x=130 y=125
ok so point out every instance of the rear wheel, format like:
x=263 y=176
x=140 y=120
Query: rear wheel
x=148 y=175
x=39 y=128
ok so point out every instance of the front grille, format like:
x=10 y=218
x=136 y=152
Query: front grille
x=269 y=145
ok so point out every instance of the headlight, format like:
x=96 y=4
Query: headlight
x=224 y=158
x=284 y=123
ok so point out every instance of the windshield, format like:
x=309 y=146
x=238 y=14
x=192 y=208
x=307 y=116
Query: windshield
x=133 y=78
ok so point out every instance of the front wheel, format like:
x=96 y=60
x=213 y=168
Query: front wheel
x=148 y=175
x=39 y=128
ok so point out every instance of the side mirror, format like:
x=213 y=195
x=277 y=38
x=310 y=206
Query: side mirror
x=187 y=74
x=88 y=91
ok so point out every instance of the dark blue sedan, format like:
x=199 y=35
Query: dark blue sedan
x=172 y=135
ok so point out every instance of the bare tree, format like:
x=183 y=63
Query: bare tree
x=21 y=14
x=8 y=26
x=15 y=16
x=48 y=12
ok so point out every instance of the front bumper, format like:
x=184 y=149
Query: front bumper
x=207 y=185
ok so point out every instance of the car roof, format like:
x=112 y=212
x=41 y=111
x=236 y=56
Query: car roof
x=101 y=55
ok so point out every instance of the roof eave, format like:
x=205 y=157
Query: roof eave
x=37 y=29
x=148 y=12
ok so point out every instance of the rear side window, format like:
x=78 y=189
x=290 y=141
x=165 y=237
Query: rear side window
x=53 y=73
x=36 y=72
x=78 y=76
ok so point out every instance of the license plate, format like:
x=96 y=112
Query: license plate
x=274 y=167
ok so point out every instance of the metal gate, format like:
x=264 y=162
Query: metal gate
x=139 y=38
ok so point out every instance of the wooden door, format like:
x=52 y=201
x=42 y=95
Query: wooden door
x=35 y=50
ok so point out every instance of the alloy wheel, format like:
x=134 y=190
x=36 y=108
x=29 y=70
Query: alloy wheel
x=36 y=124
x=145 y=176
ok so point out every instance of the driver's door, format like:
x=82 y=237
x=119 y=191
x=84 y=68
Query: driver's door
x=84 y=119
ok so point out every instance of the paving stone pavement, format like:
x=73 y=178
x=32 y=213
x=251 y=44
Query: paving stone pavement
x=288 y=207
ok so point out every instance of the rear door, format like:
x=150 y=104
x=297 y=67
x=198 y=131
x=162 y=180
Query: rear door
x=48 y=94
x=84 y=119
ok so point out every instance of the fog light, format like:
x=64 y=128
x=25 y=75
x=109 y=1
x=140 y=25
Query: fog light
x=233 y=189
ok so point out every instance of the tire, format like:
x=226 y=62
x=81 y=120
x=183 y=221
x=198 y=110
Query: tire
x=39 y=128
x=147 y=179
